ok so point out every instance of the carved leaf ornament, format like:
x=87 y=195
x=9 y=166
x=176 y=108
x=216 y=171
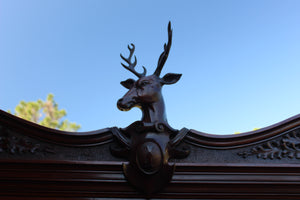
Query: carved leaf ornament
x=18 y=145
x=287 y=146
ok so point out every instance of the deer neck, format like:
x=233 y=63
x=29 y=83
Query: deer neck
x=154 y=112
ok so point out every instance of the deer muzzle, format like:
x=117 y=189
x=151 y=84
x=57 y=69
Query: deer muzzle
x=124 y=105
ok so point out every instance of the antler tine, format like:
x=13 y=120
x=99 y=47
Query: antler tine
x=164 y=55
x=131 y=65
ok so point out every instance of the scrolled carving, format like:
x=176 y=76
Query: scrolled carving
x=288 y=146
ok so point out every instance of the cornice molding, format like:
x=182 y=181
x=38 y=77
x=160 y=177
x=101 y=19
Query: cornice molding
x=73 y=139
x=244 y=139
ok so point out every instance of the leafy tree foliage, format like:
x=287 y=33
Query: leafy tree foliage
x=45 y=113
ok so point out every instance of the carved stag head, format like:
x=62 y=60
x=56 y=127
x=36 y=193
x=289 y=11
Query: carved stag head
x=147 y=89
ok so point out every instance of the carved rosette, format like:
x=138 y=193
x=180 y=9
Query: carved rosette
x=288 y=146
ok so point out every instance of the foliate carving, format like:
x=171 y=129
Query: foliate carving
x=288 y=146
x=18 y=145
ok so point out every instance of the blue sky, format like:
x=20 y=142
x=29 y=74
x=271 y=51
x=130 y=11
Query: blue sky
x=240 y=60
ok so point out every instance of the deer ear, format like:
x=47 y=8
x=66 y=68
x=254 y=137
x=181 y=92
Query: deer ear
x=128 y=83
x=171 y=78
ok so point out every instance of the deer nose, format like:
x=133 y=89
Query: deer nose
x=120 y=102
x=124 y=105
x=121 y=105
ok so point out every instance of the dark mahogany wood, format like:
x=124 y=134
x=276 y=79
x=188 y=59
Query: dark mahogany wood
x=217 y=167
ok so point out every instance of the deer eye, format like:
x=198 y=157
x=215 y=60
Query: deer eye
x=144 y=83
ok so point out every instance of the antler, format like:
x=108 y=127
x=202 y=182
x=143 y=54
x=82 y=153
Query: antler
x=131 y=65
x=164 y=55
